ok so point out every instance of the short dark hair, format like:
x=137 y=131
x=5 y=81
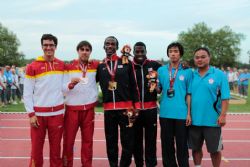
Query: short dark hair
x=84 y=43
x=140 y=44
x=112 y=37
x=49 y=37
x=178 y=45
x=204 y=49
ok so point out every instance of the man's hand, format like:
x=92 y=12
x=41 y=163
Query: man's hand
x=221 y=120
x=34 y=122
x=75 y=80
x=188 y=120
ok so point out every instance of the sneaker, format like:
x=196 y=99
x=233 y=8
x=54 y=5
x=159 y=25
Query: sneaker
x=14 y=102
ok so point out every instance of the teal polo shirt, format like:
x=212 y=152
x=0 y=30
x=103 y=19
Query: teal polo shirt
x=206 y=94
x=175 y=107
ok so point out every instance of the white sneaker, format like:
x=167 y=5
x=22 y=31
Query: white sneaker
x=14 y=102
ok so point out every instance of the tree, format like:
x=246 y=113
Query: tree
x=224 y=44
x=9 y=48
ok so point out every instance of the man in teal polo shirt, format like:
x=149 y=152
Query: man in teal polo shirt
x=210 y=95
x=174 y=83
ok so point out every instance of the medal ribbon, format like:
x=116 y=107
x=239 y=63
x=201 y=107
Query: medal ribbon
x=112 y=72
x=171 y=80
x=84 y=69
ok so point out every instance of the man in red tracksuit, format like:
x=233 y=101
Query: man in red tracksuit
x=80 y=99
x=43 y=99
x=119 y=94
x=146 y=123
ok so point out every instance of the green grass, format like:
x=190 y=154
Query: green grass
x=232 y=107
x=20 y=108
x=241 y=107
x=13 y=108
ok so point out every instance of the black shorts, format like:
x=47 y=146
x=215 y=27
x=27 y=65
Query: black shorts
x=211 y=135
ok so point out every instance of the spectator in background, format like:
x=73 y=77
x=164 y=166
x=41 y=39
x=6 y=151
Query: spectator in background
x=230 y=76
x=14 y=86
x=21 y=76
x=9 y=82
x=2 y=87
x=235 y=80
x=244 y=77
x=239 y=83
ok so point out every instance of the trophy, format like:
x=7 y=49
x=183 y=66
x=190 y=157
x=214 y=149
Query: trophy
x=126 y=49
x=132 y=115
x=152 y=80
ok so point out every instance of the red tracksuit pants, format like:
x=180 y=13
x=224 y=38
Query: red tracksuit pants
x=54 y=126
x=72 y=121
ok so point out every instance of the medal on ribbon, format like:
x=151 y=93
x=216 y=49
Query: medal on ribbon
x=112 y=83
x=171 y=91
x=84 y=79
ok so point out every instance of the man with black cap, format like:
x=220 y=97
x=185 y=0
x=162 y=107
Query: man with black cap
x=174 y=82
x=120 y=95
x=145 y=72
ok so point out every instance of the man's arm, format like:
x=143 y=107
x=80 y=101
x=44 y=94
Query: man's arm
x=188 y=101
x=225 y=96
x=29 y=85
x=222 y=117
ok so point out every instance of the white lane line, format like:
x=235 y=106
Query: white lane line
x=102 y=120
x=103 y=140
x=27 y=127
x=104 y=158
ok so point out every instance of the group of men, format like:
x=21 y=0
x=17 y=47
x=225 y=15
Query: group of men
x=198 y=99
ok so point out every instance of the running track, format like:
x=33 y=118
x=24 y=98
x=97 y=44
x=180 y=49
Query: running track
x=15 y=143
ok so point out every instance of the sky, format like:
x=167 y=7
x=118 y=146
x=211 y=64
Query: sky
x=157 y=23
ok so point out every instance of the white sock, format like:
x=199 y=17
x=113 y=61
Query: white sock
x=197 y=166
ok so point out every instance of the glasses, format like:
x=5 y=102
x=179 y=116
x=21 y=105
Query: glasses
x=49 y=45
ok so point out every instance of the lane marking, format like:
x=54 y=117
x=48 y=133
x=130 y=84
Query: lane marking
x=224 y=159
x=27 y=127
x=103 y=140
x=101 y=120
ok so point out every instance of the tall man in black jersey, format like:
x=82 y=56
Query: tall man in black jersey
x=119 y=95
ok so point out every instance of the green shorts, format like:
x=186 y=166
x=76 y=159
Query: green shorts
x=211 y=135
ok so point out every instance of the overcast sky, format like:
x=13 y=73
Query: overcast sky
x=154 y=22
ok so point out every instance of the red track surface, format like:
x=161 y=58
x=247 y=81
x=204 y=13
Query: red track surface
x=15 y=143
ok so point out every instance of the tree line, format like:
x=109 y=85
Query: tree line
x=224 y=45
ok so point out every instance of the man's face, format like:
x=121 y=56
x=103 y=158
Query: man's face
x=7 y=68
x=84 y=53
x=174 y=54
x=49 y=48
x=201 y=59
x=140 y=54
x=110 y=46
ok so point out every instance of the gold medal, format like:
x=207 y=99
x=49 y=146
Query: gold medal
x=112 y=85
